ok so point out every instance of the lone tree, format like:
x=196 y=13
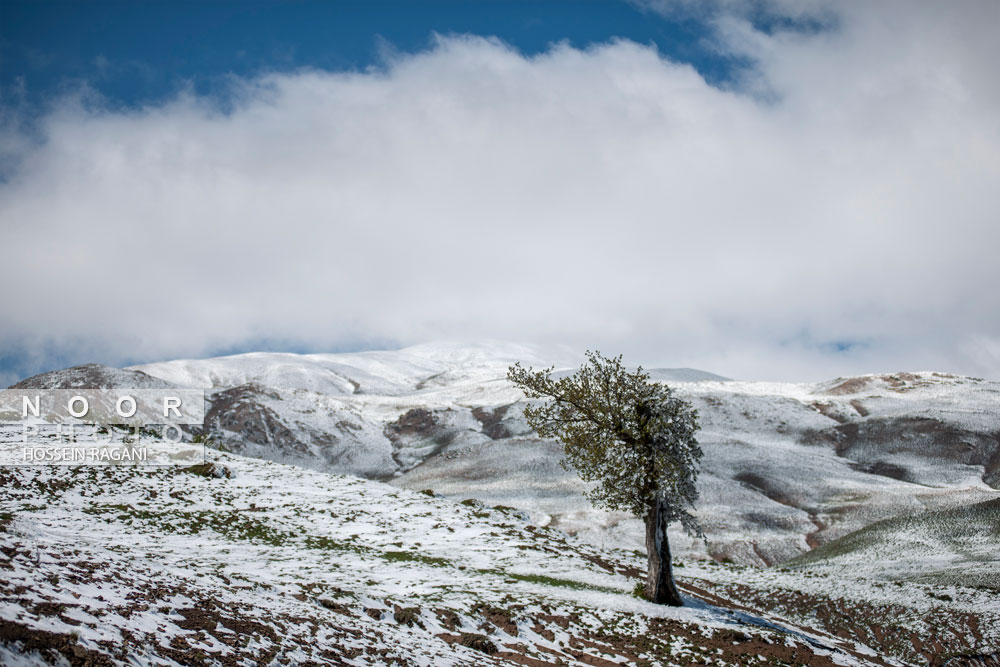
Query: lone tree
x=631 y=436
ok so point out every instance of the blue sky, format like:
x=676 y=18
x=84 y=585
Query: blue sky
x=140 y=52
x=760 y=188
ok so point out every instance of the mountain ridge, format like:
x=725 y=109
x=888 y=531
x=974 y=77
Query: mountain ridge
x=788 y=466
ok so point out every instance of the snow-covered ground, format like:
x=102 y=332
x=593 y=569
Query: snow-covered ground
x=249 y=562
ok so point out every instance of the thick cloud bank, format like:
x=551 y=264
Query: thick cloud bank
x=834 y=211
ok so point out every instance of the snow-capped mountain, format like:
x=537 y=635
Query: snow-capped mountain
x=383 y=373
x=787 y=466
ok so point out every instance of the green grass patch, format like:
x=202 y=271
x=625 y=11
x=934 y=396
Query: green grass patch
x=411 y=557
x=546 y=580
x=324 y=543
x=230 y=524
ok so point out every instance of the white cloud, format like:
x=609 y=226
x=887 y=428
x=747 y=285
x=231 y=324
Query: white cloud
x=603 y=198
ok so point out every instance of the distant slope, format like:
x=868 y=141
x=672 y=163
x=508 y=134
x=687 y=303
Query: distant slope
x=669 y=375
x=952 y=546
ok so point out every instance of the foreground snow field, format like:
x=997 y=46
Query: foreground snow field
x=247 y=562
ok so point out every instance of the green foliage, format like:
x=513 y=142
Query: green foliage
x=631 y=436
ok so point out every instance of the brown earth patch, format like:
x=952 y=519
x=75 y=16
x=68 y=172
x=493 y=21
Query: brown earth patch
x=492 y=421
x=849 y=386
x=828 y=410
x=241 y=410
x=415 y=422
x=500 y=617
x=448 y=618
x=51 y=644
x=765 y=487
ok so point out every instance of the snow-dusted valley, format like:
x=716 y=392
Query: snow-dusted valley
x=348 y=518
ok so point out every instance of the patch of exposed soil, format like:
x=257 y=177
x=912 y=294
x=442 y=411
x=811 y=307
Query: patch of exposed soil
x=883 y=469
x=850 y=386
x=51 y=645
x=766 y=487
x=240 y=410
x=415 y=422
x=828 y=410
x=492 y=421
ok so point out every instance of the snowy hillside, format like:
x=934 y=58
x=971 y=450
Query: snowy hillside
x=787 y=466
x=247 y=562
x=956 y=545
x=385 y=373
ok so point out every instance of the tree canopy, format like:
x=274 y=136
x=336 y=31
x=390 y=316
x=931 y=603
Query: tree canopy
x=633 y=437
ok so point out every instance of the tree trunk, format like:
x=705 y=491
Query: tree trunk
x=660 y=586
